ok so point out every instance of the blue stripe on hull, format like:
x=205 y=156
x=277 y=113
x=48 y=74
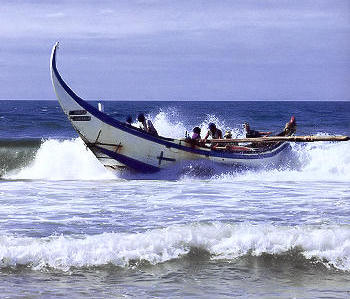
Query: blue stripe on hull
x=119 y=125
x=130 y=162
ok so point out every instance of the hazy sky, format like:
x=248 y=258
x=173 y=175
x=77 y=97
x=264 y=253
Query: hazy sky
x=178 y=50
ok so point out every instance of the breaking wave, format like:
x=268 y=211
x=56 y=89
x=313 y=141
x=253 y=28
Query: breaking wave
x=329 y=246
x=61 y=160
x=15 y=154
x=69 y=159
x=324 y=161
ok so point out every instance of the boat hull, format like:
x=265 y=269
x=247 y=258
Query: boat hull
x=116 y=144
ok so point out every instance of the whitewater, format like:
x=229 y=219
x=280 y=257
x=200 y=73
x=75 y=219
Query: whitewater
x=196 y=229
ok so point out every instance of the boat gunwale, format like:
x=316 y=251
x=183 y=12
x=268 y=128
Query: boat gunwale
x=168 y=142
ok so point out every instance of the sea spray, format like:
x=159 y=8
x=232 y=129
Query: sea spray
x=170 y=123
x=168 y=126
x=63 y=160
x=322 y=161
x=69 y=159
x=268 y=233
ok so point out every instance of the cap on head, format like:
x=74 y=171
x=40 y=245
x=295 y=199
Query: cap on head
x=212 y=126
x=228 y=134
x=141 y=117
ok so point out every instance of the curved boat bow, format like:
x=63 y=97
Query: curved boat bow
x=117 y=144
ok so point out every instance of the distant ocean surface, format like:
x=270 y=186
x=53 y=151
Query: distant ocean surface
x=70 y=228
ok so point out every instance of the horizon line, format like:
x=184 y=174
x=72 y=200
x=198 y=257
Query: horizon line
x=185 y=100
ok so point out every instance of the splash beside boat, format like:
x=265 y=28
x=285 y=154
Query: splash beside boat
x=116 y=144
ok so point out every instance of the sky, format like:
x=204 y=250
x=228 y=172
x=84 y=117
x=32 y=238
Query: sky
x=177 y=50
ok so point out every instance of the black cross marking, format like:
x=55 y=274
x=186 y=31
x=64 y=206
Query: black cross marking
x=161 y=157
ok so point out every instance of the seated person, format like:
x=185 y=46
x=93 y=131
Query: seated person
x=214 y=133
x=233 y=146
x=146 y=125
x=228 y=135
x=196 y=134
x=254 y=134
x=129 y=120
x=290 y=128
x=196 y=137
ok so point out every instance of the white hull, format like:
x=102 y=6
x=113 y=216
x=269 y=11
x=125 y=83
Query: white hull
x=115 y=143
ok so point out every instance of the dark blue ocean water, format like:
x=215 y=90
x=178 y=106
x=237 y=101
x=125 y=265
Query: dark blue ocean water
x=44 y=119
x=70 y=228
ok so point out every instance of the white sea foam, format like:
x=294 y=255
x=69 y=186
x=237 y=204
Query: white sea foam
x=166 y=127
x=169 y=124
x=330 y=245
x=63 y=160
x=69 y=159
x=323 y=161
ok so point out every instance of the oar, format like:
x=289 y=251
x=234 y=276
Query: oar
x=283 y=138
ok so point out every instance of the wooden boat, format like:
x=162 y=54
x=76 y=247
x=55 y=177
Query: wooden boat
x=117 y=144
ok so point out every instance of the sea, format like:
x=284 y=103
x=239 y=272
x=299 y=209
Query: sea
x=69 y=228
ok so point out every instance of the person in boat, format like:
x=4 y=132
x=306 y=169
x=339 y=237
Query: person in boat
x=196 y=136
x=146 y=125
x=195 y=139
x=214 y=133
x=290 y=127
x=254 y=134
x=233 y=146
x=129 y=120
x=228 y=135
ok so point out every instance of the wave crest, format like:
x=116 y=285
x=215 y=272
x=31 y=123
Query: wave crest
x=62 y=160
x=329 y=246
